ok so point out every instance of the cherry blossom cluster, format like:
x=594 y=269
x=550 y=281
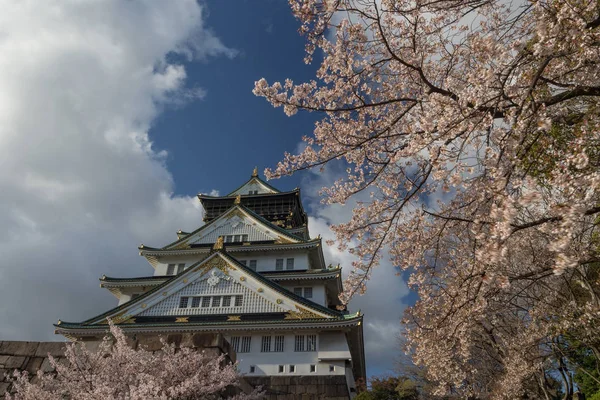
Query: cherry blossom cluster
x=474 y=126
x=117 y=371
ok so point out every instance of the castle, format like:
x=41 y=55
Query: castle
x=252 y=273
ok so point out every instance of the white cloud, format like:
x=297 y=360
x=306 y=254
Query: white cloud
x=382 y=304
x=82 y=185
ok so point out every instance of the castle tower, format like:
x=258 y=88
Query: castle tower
x=253 y=273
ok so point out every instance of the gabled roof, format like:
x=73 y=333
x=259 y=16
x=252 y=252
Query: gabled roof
x=254 y=179
x=185 y=241
x=290 y=303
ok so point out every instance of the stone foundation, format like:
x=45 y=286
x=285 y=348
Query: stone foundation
x=331 y=387
x=33 y=356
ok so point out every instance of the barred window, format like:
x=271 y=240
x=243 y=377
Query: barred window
x=299 y=343
x=235 y=343
x=244 y=238
x=206 y=301
x=216 y=301
x=289 y=263
x=311 y=342
x=196 y=302
x=170 y=269
x=279 y=342
x=180 y=268
x=237 y=238
x=279 y=264
x=308 y=292
x=305 y=343
x=226 y=301
x=183 y=302
x=266 y=344
x=238 y=300
x=245 y=348
x=298 y=291
x=253 y=265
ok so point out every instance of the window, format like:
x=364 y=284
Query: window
x=183 y=302
x=279 y=264
x=252 y=191
x=244 y=238
x=281 y=369
x=279 y=342
x=235 y=343
x=180 y=268
x=299 y=344
x=292 y=368
x=196 y=302
x=205 y=301
x=170 y=269
x=311 y=342
x=252 y=369
x=305 y=343
x=245 y=344
x=289 y=263
x=238 y=300
x=216 y=301
x=253 y=265
x=298 y=291
x=228 y=239
x=308 y=292
x=313 y=368
x=266 y=344
x=332 y=368
x=244 y=262
x=237 y=238
x=226 y=301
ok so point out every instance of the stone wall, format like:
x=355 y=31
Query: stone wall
x=29 y=356
x=33 y=356
x=331 y=387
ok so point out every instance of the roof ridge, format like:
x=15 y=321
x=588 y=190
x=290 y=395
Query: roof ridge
x=281 y=289
x=258 y=179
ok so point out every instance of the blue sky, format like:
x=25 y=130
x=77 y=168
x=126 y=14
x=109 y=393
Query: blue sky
x=231 y=119
x=113 y=116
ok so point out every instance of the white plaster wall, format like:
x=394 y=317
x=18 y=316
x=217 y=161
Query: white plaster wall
x=127 y=293
x=268 y=363
x=318 y=290
x=264 y=261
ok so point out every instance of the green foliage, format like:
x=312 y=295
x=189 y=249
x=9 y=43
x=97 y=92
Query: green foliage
x=595 y=396
x=390 y=388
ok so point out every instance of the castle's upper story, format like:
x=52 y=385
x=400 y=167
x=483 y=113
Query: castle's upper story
x=262 y=228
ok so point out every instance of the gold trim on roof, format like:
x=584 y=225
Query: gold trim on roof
x=234 y=318
x=215 y=262
x=301 y=313
x=255 y=172
x=182 y=319
x=218 y=244
x=238 y=199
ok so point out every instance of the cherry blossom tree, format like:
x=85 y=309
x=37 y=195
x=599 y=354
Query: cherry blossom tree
x=117 y=371
x=471 y=128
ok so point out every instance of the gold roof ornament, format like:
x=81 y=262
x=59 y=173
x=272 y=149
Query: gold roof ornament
x=218 y=244
x=238 y=199
x=255 y=172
